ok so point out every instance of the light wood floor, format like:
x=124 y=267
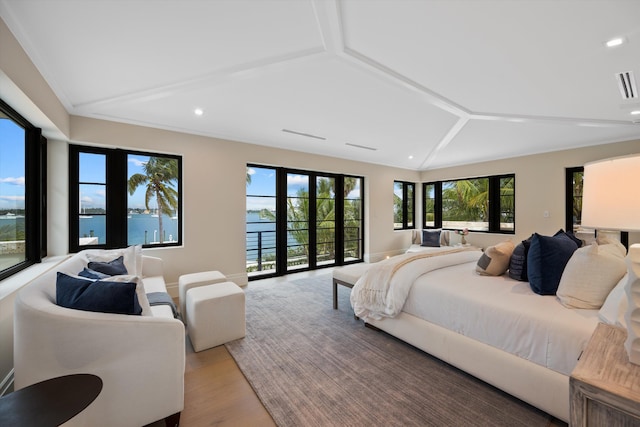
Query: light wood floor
x=217 y=393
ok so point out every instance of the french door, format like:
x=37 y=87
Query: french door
x=314 y=218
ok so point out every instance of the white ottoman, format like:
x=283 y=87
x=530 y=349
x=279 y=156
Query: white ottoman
x=215 y=315
x=194 y=280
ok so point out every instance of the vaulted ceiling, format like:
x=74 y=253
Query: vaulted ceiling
x=414 y=84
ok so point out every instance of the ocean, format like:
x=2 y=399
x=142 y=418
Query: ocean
x=142 y=228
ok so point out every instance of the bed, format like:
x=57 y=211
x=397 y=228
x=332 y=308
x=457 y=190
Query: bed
x=492 y=327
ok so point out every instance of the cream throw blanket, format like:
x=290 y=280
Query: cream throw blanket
x=382 y=290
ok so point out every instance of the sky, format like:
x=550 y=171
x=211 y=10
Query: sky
x=12 y=165
x=263 y=183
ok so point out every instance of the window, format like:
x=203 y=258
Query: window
x=301 y=220
x=403 y=205
x=120 y=198
x=22 y=193
x=479 y=204
x=573 y=193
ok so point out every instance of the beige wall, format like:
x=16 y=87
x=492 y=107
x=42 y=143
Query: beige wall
x=214 y=189
x=539 y=186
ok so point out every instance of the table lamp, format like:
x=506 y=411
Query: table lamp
x=611 y=201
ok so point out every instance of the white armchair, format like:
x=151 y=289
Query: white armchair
x=140 y=359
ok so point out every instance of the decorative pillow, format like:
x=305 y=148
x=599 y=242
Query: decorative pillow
x=610 y=309
x=431 y=238
x=495 y=259
x=546 y=260
x=141 y=293
x=100 y=296
x=518 y=261
x=590 y=275
x=444 y=238
x=92 y=274
x=111 y=268
x=132 y=257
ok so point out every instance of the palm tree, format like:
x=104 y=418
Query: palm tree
x=160 y=176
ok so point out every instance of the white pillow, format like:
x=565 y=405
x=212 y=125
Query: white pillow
x=132 y=257
x=609 y=311
x=590 y=275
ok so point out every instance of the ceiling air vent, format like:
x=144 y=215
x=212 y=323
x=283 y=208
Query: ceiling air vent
x=364 y=147
x=627 y=85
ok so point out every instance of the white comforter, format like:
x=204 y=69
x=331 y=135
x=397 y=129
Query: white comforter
x=383 y=288
x=503 y=313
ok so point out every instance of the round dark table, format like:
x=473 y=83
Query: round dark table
x=50 y=402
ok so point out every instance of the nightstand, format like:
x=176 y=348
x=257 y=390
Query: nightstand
x=604 y=386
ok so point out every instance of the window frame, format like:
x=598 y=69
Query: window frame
x=406 y=204
x=494 y=211
x=35 y=193
x=116 y=227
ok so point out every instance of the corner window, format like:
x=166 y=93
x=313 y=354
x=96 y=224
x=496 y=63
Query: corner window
x=403 y=205
x=478 y=204
x=120 y=198
x=22 y=192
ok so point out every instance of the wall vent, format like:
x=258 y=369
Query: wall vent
x=627 y=85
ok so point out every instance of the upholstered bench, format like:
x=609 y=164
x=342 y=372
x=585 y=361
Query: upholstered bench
x=346 y=276
x=194 y=280
x=215 y=315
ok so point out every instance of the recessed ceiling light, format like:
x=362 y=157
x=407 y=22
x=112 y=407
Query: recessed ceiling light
x=410 y=156
x=615 y=42
x=198 y=111
x=635 y=113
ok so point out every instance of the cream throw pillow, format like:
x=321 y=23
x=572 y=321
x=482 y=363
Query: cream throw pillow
x=590 y=275
x=495 y=259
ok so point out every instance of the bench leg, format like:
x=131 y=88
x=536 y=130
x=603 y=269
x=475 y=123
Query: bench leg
x=335 y=295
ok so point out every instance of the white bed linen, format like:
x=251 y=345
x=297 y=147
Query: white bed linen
x=503 y=313
x=417 y=248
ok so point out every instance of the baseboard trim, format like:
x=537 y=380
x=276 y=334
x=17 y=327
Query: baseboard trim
x=7 y=384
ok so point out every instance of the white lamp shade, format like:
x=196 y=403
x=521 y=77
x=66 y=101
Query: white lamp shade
x=611 y=194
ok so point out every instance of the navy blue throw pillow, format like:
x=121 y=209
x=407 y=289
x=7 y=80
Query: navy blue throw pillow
x=112 y=268
x=546 y=260
x=431 y=238
x=92 y=274
x=101 y=296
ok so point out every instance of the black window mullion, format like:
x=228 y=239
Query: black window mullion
x=281 y=221
x=437 y=205
x=339 y=220
x=312 y=226
x=494 y=203
x=116 y=221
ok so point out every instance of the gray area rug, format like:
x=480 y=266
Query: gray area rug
x=311 y=365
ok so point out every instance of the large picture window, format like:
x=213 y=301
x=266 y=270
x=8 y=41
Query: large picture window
x=22 y=192
x=301 y=220
x=403 y=205
x=478 y=204
x=120 y=198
